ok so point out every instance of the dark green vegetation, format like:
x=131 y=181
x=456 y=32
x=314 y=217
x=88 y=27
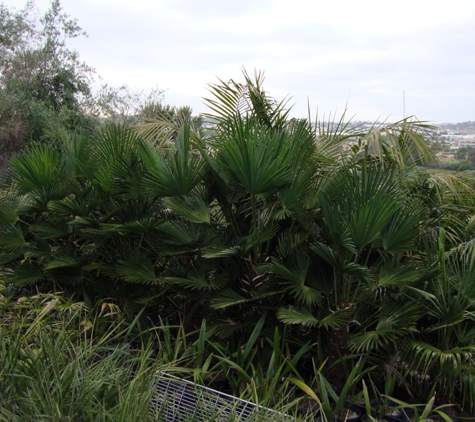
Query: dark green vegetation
x=44 y=84
x=281 y=249
x=260 y=221
x=42 y=81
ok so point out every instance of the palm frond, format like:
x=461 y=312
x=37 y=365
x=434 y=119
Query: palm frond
x=331 y=136
x=461 y=263
x=398 y=275
x=294 y=280
x=134 y=269
x=297 y=316
x=393 y=322
x=177 y=173
x=257 y=159
x=302 y=316
x=289 y=241
x=405 y=142
x=404 y=227
x=429 y=355
x=25 y=273
x=39 y=171
x=72 y=206
x=228 y=298
x=12 y=239
x=248 y=99
x=181 y=236
x=11 y=205
x=201 y=282
x=51 y=229
x=115 y=148
x=192 y=207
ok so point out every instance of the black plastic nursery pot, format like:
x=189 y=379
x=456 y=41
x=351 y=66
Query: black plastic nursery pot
x=220 y=383
x=347 y=414
x=365 y=418
x=357 y=402
x=388 y=410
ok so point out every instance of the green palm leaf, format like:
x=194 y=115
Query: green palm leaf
x=404 y=142
x=134 y=269
x=428 y=354
x=40 y=173
x=176 y=174
x=302 y=316
x=61 y=262
x=403 y=228
x=73 y=206
x=393 y=322
x=461 y=263
x=192 y=207
x=26 y=273
x=51 y=229
x=398 y=275
x=228 y=298
x=11 y=205
x=201 y=282
x=257 y=159
x=249 y=99
x=297 y=316
x=12 y=239
x=181 y=236
x=114 y=151
x=294 y=278
x=76 y=151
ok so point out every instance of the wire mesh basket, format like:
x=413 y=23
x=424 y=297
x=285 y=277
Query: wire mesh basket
x=179 y=400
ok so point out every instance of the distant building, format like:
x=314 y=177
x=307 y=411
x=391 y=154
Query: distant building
x=464 y=142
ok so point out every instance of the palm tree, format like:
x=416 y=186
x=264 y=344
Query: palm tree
x=336 y=233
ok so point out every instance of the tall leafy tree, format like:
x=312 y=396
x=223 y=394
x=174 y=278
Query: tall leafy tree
x=41 y=78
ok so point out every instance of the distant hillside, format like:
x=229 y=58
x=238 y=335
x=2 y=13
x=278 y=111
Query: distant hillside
x=459 y=126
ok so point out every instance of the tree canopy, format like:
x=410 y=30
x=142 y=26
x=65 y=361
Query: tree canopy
x=41 y=78
x=44 y=83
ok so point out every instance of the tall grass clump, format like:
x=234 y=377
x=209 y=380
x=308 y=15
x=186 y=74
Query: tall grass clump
x=61 y=361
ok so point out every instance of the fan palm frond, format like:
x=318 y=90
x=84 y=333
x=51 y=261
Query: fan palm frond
x=135 y=268
x=202 y=282
x=227 y=298
x=12 y=239
x=332 y=320
x=176 y=173
x=23 y=274
x=192 y=207
x=394 y=321
x=248 y=99
x=257 y=159
x=294 y=279
x=398 y=275
x=405 y=142
x=39 y=172
x=52 y=228
x=404 y=227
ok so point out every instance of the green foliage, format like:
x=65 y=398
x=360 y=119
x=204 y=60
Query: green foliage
x=258 y=224
x=42 y=80
x=44 y=86
x=63 y=361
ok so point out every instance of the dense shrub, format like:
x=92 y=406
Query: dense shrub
x=259 y=218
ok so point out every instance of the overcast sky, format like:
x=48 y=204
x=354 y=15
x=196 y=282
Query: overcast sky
x=366 y=55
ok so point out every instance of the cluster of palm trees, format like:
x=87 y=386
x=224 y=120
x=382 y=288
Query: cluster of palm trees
x=338 y=234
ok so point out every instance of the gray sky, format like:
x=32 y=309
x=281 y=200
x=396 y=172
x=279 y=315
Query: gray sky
x=367 y=55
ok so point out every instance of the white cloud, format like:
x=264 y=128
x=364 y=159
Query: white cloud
x=366 y=52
